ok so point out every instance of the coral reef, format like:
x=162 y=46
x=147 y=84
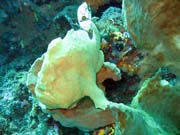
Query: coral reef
x=28 y=24
x=141 y=40
x=75 y=110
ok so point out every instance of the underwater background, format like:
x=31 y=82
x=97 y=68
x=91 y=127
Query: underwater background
x=140 y=41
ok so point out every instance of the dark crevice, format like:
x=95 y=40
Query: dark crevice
x=101 y=9
x=124 y=90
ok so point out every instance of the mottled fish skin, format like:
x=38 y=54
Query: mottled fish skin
x=90 y=33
